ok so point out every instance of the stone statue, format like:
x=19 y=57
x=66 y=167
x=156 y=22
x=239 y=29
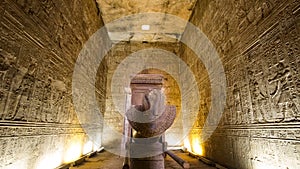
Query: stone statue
x=150 y=118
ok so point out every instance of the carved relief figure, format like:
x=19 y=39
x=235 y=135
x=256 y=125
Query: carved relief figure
x=26 y=86
x=271 y=98
x=14 y=93
x=6 y=71
x=227 y=114
x=46 y=100
x=57 y=101
x=36 y=103
x=240 y=6
x=249 y=12
x=280 y=95
x=241 y=13
x=24 y=102
x=237 y=105
x=258 y=98
x=246 y=104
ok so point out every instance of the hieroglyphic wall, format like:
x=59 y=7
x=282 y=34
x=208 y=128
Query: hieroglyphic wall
x=258 y=43
x=39 y=44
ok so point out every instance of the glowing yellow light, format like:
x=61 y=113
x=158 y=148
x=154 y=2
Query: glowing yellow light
x=73 y=152
x=187 y=144
x=88 y=147
x=197 y=147
x=50 y=161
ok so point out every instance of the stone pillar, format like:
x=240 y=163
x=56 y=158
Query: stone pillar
x=150 y=118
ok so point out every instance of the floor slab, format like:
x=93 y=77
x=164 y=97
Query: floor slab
x=107 y=160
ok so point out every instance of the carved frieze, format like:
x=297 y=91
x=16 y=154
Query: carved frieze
x=262 y=72
x=37 y=116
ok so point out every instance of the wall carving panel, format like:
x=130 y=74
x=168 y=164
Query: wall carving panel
x=258 y=44
x=40 y=42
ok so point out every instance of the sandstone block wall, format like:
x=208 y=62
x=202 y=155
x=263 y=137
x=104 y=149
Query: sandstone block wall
x=40 y=42
x=116 y=57
x=258 y=43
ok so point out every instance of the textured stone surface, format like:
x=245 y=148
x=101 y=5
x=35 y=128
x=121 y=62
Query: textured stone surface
x=112 y=10
x=40 y=42
x=258 y=42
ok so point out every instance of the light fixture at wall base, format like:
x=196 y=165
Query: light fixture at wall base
x=205 y=160
x=80 y=160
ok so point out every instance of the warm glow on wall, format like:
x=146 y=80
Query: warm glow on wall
x=88 y=147
x=50 y=161
x=187 y=144
x=196 y=146
x=73 y=152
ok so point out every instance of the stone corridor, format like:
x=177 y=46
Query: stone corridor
x=217 y=78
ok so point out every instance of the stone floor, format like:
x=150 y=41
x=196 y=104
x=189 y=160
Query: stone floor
x=106 y=160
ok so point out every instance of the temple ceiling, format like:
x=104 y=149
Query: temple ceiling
x=133 y=24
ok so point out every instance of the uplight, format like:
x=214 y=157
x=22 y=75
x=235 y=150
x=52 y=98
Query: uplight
x=73 y=152
x=187 y=144
x=50 y=161
x=88 y=147
x=197 y=147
